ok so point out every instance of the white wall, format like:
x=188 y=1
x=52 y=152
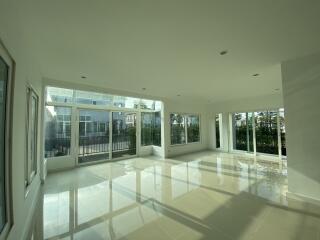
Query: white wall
x=27 y=71
x=273 y=101
x=301 y=84
x=185 y=107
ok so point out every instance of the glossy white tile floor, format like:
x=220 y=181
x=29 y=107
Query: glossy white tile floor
x=199 y=196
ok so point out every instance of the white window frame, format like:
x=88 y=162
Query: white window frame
x=255 y=152
x=75 y=121
x=72 y=123
x=185 y=115
x=8 y=135
x=219 y=115
x=149 y=111
x=31 y=165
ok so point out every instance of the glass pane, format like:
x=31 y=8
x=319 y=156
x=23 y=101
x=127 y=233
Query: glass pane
x=250 y=119
x=266 y=132
x=125 y=102
x=242 y=131
x=217 y=123
x=93 y=136
x=283 y=132
x=147 y=120
x=57 y=131
x=158 y=105
x=151 y=129
x=93 y=98
x=147 y=104
x=157 y=129
x=177 y=124
x=3 y=95
x=60 y=95
x=34 y=107
x=193 y=128
x=123 y=134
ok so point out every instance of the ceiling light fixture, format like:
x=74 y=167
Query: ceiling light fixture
x=224 y=52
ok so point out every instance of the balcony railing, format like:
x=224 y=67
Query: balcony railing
x=93 y=147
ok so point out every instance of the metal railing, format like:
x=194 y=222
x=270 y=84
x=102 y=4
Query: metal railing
x=91 y=145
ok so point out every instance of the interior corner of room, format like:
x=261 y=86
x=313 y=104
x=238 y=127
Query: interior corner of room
x=125 y=121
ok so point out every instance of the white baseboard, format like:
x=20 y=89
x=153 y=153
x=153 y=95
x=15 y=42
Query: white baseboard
x=303 y=198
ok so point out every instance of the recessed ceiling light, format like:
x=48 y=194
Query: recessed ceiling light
x=83 y=77
x=256 y=74
x=143 y=89
x=224 y=52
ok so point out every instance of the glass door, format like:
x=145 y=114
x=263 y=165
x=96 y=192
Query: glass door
x=94 y=136
x=124 y=134
x=266 y=132
x=242 y=124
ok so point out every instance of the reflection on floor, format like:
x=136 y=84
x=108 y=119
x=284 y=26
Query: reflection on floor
x=199 y=196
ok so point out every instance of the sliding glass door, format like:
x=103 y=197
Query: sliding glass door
x=282 y=132
x=93 y=136
x=124 y=134
x=104 y=135
x=242 y=131
x=266 y=132
x=259 y=132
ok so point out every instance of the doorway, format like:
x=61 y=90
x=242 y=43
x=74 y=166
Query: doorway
x=105 y=135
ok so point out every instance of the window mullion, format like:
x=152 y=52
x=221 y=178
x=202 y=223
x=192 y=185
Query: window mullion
x=186 y=129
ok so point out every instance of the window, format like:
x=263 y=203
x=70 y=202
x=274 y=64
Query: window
x=178 y=132
x=71 y=96
x=266 y=127
x=125 y=102
x=150 y=128
x=157 y=129
x=282 y=132
x=266 y=132
x=242 y=131
x=31 y=136
x=60 y=95
x=193 y=129
x=184 y=128
x=147 y=104
x=6 y=66
x=93 y=98
x=217 y=126
x=57 y=131
x=158 y=106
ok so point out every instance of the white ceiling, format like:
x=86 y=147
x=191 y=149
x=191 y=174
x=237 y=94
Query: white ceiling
x=172 y=47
